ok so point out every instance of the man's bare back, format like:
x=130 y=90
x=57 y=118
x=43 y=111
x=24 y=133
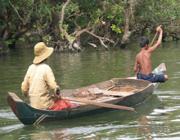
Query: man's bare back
x=144 y=62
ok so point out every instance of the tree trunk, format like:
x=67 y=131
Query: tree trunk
x=129 y=20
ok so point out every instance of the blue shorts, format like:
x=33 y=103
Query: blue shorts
x=152 y=77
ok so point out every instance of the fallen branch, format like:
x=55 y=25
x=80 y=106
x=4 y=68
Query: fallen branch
x=101 y=39
x=93 y=45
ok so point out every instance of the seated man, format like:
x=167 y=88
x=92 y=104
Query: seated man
x=39 y=82
x=143 y=64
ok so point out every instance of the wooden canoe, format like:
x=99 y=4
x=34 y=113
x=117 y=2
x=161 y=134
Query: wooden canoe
x=117 y=91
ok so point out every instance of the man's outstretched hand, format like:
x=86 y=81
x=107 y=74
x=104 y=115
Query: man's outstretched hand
x=159 y=28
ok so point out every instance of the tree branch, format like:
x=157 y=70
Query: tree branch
x=100 y=39
x=16 y=11
x=64 y=33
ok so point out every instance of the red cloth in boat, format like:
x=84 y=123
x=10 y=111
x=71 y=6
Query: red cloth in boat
x=61 y=104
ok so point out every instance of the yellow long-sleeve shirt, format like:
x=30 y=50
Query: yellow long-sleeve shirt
x=38 y=82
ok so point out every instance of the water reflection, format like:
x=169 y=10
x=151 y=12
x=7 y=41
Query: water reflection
x=145 y=128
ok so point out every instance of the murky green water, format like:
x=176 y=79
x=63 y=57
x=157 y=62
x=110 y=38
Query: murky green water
x=157 y=118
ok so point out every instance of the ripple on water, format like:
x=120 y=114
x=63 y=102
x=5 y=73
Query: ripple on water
x=97 y=128
x=167 y=92
x=7 y=114
x=173 y=98
x=163 y=111
x=176 y=75
x=10 y=128
x=168 y=138
x=168 y=95
x=103 y=131
x=177 y=62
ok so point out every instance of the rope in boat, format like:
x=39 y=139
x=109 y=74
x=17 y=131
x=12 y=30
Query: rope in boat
x=40 y=119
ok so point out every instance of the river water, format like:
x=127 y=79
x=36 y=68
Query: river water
x=156 y=119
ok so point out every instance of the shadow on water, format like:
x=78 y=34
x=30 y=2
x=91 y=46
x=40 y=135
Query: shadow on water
x=89 y=126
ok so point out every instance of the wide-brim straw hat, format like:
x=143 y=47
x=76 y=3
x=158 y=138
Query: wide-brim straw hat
x=41 y=52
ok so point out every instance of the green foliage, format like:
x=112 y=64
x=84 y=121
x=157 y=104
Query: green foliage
x=158 y=11
x=47 y=38
x=90 y=12
x=72 y=8
x=116 y=29
x=39 y=16
x=115 y=13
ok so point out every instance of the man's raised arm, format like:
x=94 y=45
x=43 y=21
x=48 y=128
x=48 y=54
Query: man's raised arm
x=157 y=44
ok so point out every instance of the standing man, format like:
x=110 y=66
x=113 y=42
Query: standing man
x=143 y=63
x=39 y=82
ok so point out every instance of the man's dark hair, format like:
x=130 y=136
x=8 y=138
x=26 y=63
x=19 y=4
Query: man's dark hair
x=143 y=41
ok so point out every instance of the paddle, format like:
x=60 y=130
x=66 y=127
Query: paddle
x=152 y=42
x=107 y=105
